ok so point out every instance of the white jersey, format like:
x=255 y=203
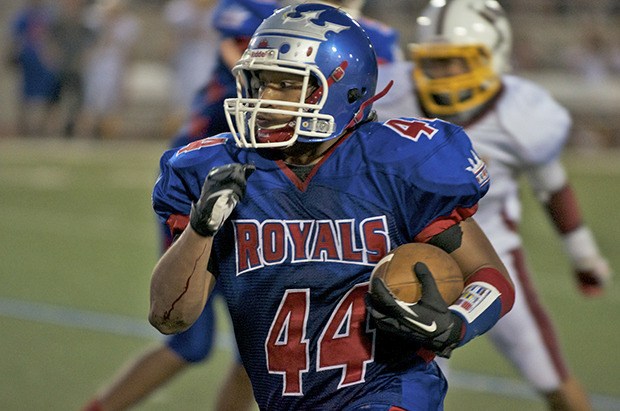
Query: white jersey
x=108 y=61
x=400 y=100
x=526 y=129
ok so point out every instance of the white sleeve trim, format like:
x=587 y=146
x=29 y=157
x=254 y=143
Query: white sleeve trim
x=547 y=179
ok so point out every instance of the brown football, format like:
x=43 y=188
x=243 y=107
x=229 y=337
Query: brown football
x=396 y=271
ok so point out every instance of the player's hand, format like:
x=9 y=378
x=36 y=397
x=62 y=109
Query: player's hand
x=428 y=322
x=592 y=275
x=223 y=188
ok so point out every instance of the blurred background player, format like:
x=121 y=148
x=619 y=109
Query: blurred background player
x=30 y=52
x=460 y=59
x=193 y=50
x=72 y=42
x=117 y=31
x=236 y=21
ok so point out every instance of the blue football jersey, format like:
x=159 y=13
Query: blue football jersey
x=384 y=39
x=238 y=19
x=233 y=18
x=294 y=259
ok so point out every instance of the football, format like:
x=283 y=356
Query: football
x=396 y=271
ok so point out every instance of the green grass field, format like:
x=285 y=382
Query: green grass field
x=78 y=242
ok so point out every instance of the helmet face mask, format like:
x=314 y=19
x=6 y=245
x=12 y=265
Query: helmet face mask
x=477 y=33
x=306 y=119
x=323 y=49
x=457 y=92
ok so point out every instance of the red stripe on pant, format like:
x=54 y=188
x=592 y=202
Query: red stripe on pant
x=550 y=339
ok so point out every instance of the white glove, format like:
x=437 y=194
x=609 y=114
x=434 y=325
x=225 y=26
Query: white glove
x=592 y=272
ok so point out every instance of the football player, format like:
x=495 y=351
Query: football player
x=30 y=53
x=461 y=59
x=291 y=210
x=161 y=363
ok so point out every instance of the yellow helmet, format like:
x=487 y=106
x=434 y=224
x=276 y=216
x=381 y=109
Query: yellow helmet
x=472 y=35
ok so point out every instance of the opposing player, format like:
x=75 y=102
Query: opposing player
x=291 y=210
x=460 y=60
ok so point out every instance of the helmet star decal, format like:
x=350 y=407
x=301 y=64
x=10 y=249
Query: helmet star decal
x=290 y=24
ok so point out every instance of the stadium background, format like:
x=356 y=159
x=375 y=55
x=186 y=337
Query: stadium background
x=78 y=241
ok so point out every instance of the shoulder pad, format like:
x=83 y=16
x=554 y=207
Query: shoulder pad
x=199 y=151
x=182 y=173
x=433 y=154
x=537 y=122
x=430 y=161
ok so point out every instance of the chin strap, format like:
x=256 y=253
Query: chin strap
x=360 y=112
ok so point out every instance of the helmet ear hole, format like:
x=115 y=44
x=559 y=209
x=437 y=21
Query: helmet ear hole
x=353 y=95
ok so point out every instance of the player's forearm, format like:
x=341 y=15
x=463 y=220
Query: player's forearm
x=553 y=189
x=477 y=252
x=564 y=210
x=592 y=271
x=181 y=283
x=489 y=292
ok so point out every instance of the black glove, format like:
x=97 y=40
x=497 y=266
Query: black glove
x=428 y=322
x=223 y=188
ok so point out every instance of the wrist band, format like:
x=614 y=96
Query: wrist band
x=486 y=298
x=580 y=244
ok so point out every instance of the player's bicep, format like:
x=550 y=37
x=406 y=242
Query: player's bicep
x=475 y=250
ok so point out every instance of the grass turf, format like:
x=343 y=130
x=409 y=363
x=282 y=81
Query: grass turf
x=78 y=234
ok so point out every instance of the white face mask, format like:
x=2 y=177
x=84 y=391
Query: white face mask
x=244 y=113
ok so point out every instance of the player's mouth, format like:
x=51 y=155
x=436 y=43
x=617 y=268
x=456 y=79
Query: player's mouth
x=275 y=132
x=271 y=123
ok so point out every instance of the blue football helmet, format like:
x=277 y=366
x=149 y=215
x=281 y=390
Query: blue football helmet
x=336 y=61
